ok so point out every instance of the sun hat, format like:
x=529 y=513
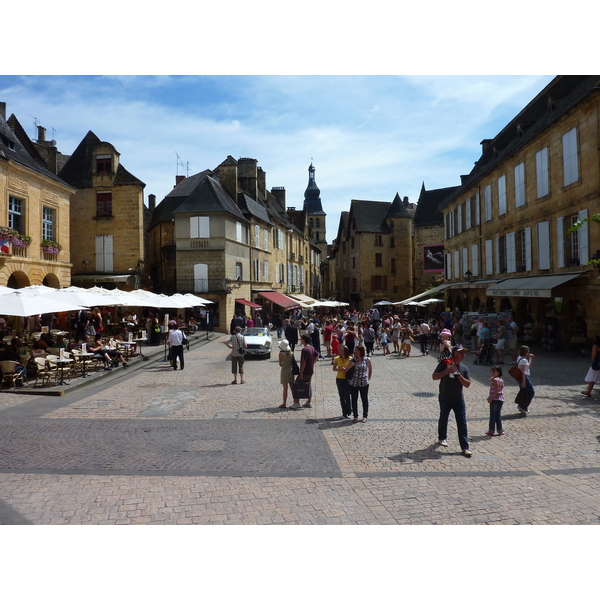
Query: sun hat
x=284 y=345
x=446 y=332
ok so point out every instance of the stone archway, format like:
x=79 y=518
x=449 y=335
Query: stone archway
x=490 y=305
x=18 y=280
x=476 y=304
x=505 y=305
x=51 y=280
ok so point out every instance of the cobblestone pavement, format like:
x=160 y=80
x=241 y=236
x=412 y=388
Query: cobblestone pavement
x=158 y=446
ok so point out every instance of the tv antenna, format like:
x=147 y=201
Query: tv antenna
x=36 y=122
x=180 y=163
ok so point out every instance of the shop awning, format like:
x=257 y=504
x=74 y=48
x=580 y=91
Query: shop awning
x=303 y=298
x=530 y=287
x=281 y=300
x=439 y=288
x=101 y=278
x=248 y=303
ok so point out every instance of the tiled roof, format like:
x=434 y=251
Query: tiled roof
x=252 y=208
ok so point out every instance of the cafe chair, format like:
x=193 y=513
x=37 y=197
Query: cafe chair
x=9 y=373
x=43 y=370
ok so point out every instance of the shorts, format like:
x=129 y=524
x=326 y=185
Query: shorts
x=512 y=343
x=500 y=344
x=237 y=362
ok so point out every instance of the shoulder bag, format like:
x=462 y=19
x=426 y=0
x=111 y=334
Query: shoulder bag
x=350 y=371
x=295 y=367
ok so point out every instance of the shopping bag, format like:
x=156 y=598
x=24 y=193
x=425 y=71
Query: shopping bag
x=300 y=390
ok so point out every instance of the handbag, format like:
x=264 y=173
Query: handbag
x=300 y=390
x=515 y=373
x=350 y=371
x=596 y=364
x=295 y=367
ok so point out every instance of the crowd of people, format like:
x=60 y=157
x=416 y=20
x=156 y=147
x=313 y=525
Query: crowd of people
x=351 y=339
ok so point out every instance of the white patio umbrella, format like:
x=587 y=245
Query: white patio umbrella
x=20 y=304
x=6 y=290
x=383 y=303
x=81 y=296
x=116 y=297
x=38 y=290
x=183 y=301
x=432 y=301
x=197 y=300
x=153 y=300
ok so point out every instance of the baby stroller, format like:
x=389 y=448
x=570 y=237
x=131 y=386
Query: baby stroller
x=485 y=356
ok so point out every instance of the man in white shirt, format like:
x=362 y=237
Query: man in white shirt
x=175 y=341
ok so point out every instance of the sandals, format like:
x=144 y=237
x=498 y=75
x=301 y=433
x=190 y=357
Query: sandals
x=364 y=420
x=587 y=394
x=233 y=382
x=282 y=406
x=355 y=420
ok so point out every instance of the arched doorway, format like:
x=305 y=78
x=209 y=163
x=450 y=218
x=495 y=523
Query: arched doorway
x=18 y=280
x=51 y=280
x=505 y=305
x=490 y=305
x=476 y=304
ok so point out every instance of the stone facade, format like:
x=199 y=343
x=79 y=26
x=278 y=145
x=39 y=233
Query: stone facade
x=42 y=204
x=511 y=219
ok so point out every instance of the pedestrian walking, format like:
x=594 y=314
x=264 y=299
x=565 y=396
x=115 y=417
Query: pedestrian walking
x=238 y=345
x=359 y=382
x=340 y=363
x=424 y=331
x=308 y=358
x=593 y=374
x=369 y=338
x=526 y=391
x=176 y=340
x=286 y=360
x=291 y=334
x=453 y=378
x=496 y=401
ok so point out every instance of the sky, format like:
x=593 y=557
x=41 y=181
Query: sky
x=368 y=136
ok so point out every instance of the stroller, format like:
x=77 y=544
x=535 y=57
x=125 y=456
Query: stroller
x=485 y=356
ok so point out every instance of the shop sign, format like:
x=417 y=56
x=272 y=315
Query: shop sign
x=521 y=293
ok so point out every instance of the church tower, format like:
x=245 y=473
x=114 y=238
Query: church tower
x=315 y=214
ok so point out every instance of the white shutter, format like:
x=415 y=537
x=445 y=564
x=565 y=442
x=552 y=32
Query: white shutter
x=570 y=159
x=465 y=260
x=448 y=266
x=489 y=262
x=468 y=214
x=204 y=227
x=200 y=277
x=459 y=218
x=502 y=195
x=194 y=227
x=511 y=252
x=528 y=257
x=584 y=242
x=487 y=198
x=543 y=235
x=456 y=265
x=238 y=231
x=477 y=210
x=475 y=260
x=560 y=241
x=497 y=248
x=104 y=253
x=266 y=270
x=100 y=253
x=265 y=239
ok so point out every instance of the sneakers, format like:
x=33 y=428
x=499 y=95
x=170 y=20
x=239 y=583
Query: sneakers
x=307 y=405
x=523 y=411
x=296 y=405
x=467 y=453
x=443 y=443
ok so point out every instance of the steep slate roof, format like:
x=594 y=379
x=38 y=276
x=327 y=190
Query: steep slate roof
x=12 y=148
x=369 y=216
x=251 y=207
x=398 y=209
x=208 y=196
x=312 y=195
x=427 y=213
x=78 y=169
x=561 y=95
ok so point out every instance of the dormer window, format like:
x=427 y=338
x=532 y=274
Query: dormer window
x=103 y=164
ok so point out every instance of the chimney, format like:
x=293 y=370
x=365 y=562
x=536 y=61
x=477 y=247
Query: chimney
x=3 y=110
x=248 y=176
x=228 y=176
x=41 y=134
x=151 y=202
x=52 y=162
x=178 y=180
x=279 y=193
x=485 y=145
x=262 y=182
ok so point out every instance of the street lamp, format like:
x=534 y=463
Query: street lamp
x=468 y=276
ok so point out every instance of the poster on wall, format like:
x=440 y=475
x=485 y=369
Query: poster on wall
x=433 y=259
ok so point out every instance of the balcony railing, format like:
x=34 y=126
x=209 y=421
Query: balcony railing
x=292 y=256
x=202 y=285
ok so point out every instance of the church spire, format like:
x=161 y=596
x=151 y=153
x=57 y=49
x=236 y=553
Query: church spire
x=312 y=195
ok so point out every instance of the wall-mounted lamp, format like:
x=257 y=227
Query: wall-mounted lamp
x=468 y=276
x=85 y=263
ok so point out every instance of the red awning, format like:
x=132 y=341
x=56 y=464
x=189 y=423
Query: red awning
x=248 y=303
x=281 y=300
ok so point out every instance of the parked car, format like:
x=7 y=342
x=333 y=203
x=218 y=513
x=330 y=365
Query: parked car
x=258 y=341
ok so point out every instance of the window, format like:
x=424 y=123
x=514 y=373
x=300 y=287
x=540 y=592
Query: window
x=280 y=236
x=511 y=252
x=378 y=283
x=378 y=240
x=502 y=195
x=465 y=260
x=487 y=198
x=104 y=204
x=489 y=258
x=392 y=242
x=393 y=265
x=543 y=245
x=266 y=270
x=257 y=236
x=15 y=213
x=448 y=258
x=477 y=212
x=456 y=260
x=201 y=277
x=459 y=218
x=570 y=160
x=103 y=163
x=475 y=260
x=378 y=260
x=266 y=239
x=352 y=242
x=238 y=232
x=257 y=270
x=318 y=223
x=541 y=173
x=104 y=253
x=48 y=218
x=527 y=256
x=354 y=262
x=311 y=223
x=199 y=227
x=468 y=214
x=520 y=184
x=572 y=248
x=238 y=271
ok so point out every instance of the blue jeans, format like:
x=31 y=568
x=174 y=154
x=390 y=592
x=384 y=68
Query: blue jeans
x=496 y=416
x=460 y=413
x=344 y=392
x=529 y=394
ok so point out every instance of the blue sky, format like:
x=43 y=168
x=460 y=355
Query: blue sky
x=367 y=136
x=379 y=100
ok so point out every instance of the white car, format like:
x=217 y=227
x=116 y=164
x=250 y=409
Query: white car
x=258 y=340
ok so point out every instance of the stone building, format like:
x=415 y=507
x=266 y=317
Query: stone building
x=223 y=235
x=107 y=217
x=509 y=238
x=35 y=205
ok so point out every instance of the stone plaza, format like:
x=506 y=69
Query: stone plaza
x=149 y=445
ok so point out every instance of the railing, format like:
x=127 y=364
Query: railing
x=202 y=285
x=292 y=256
x=20 y=252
